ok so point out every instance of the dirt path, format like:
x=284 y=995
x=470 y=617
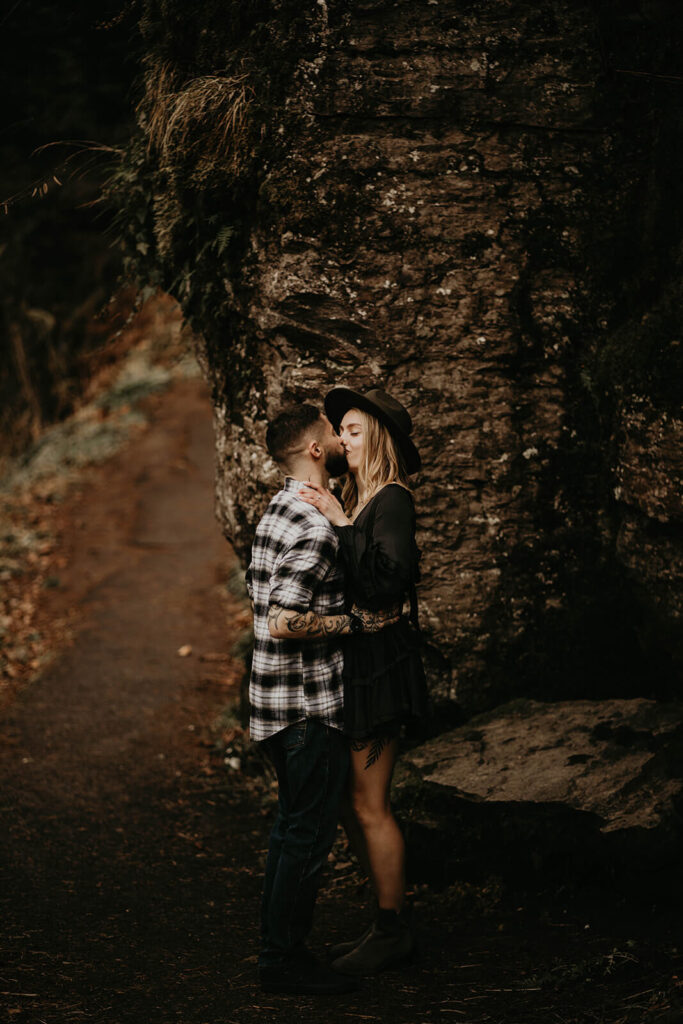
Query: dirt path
x=101 y=759
x=131 y=858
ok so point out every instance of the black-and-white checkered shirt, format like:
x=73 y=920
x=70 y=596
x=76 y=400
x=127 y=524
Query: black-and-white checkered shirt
x=294 y=565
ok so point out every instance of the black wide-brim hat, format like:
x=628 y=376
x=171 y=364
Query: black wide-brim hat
x=383 y=407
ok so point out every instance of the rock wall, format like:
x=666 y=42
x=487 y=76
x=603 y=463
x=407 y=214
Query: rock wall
x=464 y=204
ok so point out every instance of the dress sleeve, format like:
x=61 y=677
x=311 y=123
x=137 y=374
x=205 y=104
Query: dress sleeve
x=379 y=558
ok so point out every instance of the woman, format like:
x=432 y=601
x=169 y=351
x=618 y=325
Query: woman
x=384 y=682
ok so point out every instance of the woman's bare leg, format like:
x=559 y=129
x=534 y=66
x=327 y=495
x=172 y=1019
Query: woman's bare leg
x=354 y=834
x=369 y=791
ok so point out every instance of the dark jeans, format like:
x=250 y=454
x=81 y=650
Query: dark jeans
x=311 y=761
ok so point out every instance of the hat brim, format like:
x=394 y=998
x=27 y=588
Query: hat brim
x=339 y=400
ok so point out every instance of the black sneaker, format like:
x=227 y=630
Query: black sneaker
x=305 y=978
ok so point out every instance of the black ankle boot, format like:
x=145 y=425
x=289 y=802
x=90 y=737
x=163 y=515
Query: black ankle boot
x=342 y=948
x=388 y=943
x=388 y=920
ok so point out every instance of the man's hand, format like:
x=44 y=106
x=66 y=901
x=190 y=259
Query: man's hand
x=374 y=621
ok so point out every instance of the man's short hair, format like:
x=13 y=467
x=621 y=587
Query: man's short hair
x=285 y=432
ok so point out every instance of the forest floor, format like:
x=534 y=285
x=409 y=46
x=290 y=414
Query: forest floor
x=134 y=820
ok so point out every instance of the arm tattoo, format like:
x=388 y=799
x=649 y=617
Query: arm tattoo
x=301 y=622
x=306 y=625
x=335 y=625
x=311 y=626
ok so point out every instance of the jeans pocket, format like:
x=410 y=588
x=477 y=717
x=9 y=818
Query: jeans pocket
x=294 y=736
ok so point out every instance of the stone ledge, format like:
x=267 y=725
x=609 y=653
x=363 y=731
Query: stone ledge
x=530 y=784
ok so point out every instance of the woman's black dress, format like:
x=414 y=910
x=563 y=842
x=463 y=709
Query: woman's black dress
x=384 y=680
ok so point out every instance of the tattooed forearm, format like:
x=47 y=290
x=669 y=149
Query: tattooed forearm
x=374 y=621
x=300 y=622
x=335 y=625
x=284 y=624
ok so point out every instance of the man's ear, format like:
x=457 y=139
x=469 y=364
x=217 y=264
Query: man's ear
x=314 y=449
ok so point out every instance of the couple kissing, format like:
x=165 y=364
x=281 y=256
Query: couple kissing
x=336 y=672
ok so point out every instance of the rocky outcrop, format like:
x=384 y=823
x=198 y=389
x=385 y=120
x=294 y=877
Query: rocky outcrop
x=532 y=784
x=464 y=204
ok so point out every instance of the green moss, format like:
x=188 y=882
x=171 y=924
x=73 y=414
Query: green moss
x=189 y=183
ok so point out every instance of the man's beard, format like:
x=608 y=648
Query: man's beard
x=336 y=464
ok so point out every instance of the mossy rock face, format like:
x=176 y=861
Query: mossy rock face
x=468 y=207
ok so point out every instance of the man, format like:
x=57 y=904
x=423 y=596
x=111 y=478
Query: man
x=296 y=693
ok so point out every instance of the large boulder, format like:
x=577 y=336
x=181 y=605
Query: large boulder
x=578 y=783
x=467 y=205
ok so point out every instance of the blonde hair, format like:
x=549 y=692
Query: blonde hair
x=382 y=463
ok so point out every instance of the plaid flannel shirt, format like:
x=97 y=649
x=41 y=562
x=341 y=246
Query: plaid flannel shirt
x=294 y=565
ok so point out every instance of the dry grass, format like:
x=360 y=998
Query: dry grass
x=205 y=121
